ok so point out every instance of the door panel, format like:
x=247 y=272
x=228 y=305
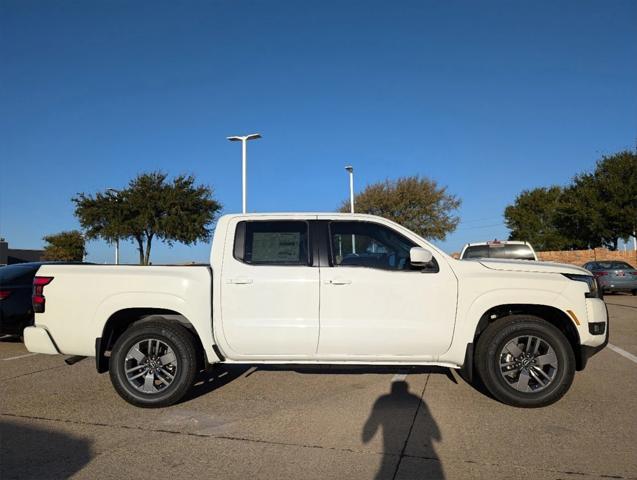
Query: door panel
x=373 y=303
x=270 y=294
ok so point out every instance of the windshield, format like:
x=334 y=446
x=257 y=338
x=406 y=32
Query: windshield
x=519 y=252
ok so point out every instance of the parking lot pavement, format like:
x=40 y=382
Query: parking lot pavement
x=58 y=421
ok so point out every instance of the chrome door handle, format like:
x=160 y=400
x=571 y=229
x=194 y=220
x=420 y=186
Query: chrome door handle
x=338 y=281
x=240 y=281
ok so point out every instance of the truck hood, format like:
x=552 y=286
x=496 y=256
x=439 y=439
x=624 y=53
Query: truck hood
x=529 y=266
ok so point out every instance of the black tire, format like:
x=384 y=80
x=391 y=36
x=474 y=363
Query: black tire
x=160 y=332
x=492 y=350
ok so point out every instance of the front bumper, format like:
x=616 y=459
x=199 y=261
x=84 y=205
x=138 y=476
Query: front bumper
x=596 y=318
x=587 y=351
x=38 y=340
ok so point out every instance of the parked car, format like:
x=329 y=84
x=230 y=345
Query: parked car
x=614 y=276
x=509 y=249
x=16 y=285
x=288 y=289
x=16 y=289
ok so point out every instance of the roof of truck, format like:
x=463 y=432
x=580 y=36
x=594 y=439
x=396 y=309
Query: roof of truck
x=307 y=215
x=336 y=214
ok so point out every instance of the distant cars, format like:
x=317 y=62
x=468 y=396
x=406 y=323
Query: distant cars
x=614 y=276
x=509 y=249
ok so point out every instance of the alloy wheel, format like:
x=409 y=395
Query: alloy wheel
x=528 y=363
x=150 y=366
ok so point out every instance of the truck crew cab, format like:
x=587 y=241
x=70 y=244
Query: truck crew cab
x=323 y=288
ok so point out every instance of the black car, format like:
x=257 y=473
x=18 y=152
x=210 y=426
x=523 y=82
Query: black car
x=16 y=285
x=16 y=288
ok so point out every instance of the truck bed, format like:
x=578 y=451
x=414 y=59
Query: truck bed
x=80 y=297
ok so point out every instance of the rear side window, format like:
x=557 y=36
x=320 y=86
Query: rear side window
x=17 y=275
x=272 y=243
x=519 y=252
x=479 y=251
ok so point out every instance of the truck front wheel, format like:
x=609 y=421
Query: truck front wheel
x=153 y=363
x=525 y=361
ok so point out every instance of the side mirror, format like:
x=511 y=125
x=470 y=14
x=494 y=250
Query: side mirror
x=420 y=256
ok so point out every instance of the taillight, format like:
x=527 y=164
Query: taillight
x=4 y=294
x=600 y=274
x=38 y=299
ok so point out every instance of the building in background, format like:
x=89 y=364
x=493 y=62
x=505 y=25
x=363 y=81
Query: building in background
x=9 y=256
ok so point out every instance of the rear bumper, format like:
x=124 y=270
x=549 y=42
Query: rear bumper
x=38 y=340
x=618 y=286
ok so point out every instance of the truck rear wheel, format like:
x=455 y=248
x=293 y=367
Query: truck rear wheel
x=153 y=363
x=525 y=361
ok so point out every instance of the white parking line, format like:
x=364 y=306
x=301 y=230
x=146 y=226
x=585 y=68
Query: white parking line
x=399 y=377
x=20 y=356
x=623 y=353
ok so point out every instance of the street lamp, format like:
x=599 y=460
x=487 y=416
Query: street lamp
x=115 y=192
x=244 y=140
x=83 y=235
x=350 y=170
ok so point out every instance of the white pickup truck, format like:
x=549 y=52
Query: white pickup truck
x=312 y=288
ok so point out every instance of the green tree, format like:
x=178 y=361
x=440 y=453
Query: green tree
x=601 y=207
x=150 y=207
x=64 y=246
x=616 y=181
x=533 y=218
x=578 y=215
x=103 y=215
x=417 y=203
x=596 y=209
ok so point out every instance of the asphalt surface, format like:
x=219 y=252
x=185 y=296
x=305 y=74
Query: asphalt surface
x=59 y=421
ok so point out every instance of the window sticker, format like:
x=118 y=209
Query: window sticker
x=276 y=246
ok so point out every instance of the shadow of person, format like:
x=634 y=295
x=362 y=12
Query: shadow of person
x=399 y=414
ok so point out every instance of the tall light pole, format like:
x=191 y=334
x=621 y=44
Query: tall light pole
x=244 y=141
x=115 y=192
x=84 y=242
x=350 y=170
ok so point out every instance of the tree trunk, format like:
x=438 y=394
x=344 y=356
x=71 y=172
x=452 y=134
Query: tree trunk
x=149 y=240
x=140 y=249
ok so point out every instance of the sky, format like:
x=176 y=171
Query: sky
x=487 y=98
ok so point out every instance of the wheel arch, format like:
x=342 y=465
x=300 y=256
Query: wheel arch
x=121 y=320
x=553 y=315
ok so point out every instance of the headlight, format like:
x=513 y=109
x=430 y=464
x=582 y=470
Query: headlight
x=593 y=289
